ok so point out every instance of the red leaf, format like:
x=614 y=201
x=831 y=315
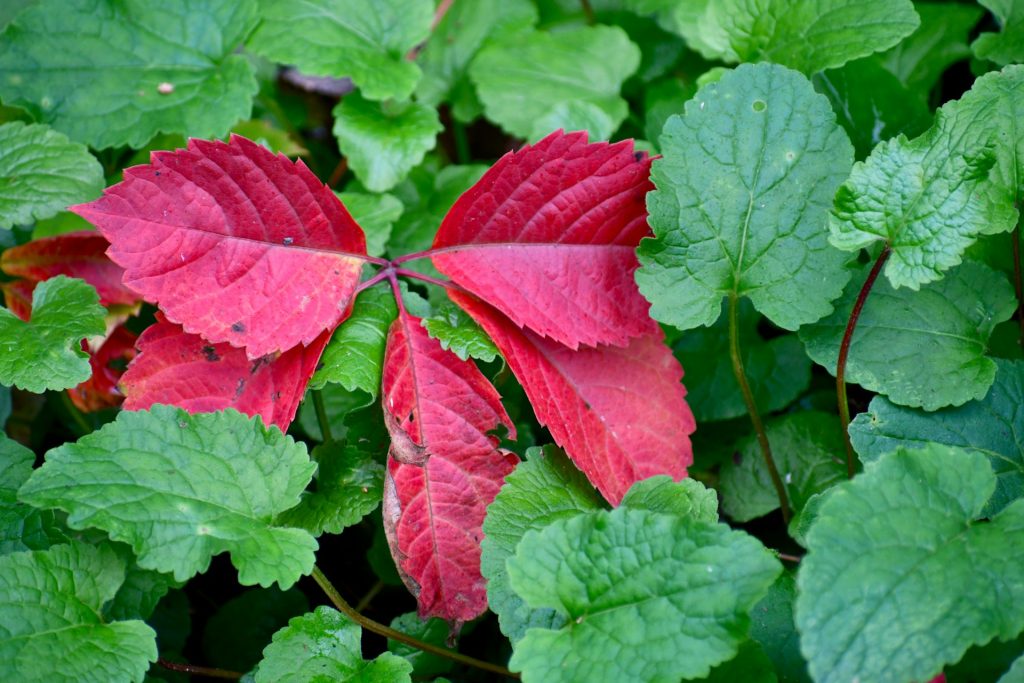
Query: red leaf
x=620 y=413
x=185 y=370
x=75 y=254
x=18 y=297
x=108 y=363
x=237 y=244
x=548 y=237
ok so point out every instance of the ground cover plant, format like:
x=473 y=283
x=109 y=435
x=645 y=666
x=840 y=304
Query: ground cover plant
x=614 y=340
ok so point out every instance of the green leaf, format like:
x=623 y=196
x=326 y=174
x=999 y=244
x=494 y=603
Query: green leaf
x=339 y=404
x=324 y=646
x=750 y=665
x=5 y=405
x=383 y=141
x=687 y=498
x=1007 y=46
x=992 y=425
x=544 y=488
x=986 y=663
x=44 y=353
x=920 y=59
x=778 y=370
x=774 y=629
x=276 y=140
x=433 y=631
x=460 y=334
x=50 y=602
x=236 y=634
x=141 y=591
x=41 y=172
x=366 y=40
x=662 y=100
x=900 y=579
x=354 y=357
x=532 y=81
x=111 y=73
x=376 y=214
x=1016 y=672
x=182 y=488
x=921 y=349
x=640 y=594
x=742 y=195
x=22 y=527
x=808 y=450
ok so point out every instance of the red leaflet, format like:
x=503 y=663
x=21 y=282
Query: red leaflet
x=183 y=369
x=108 y=363
x=75 y=254
x=548 y=236
x=18 y=297
x=235 y=243
x=620 y=413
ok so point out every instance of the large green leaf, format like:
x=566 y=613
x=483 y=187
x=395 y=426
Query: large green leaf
x=900 y=579
x=921 y=349
x=640 y=596
x=992 y=425
x=51 y=630
x=1007 y=46
x=41 y=172
x=354 y=357
x=920 y=59
x=742 y=195
x=22 y=527
x=181 y=488
x=110 y=73
x=45 y=353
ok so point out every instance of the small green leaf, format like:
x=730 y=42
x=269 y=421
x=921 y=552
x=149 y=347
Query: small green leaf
x=900 y=579
x=687 y=498
x=45 y=353
x=354 y=357
x=921 y=349
x=640 y=593
x=376 y=214
x=276 y=140
x=182 y=488
x=774 y=629
x=460 y=334
x=22 y=527
x=50 y=625
x=236 y=633
x=1007 y=46
x=325 y=646
x=920 y=59
x=434 y=631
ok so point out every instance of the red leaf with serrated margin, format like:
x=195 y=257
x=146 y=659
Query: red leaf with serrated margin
x=108 y=363
x=620 y=413
x=18 y=297
x=548 y=237
x=235 y=243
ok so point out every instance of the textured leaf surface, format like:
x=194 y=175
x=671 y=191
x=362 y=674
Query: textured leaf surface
x=236 y=243
x=325 y=646
x=548 y=235
x=181 y=488
x=920 y=59
x=433 y=631
x=992 y=426
x=921 y=349
x=21 y=527
x=184 y=370
x=620 y=413
x=641 y=594
x=50 y=624
x=1006 y=46
x=460 y=334
x=742 y=196
x=687 y=498
x=894 y=553
x=45 y=352
x=99 y=70
x=774 y=629
x=41 y=172
x=354 y=358
x=527 y=78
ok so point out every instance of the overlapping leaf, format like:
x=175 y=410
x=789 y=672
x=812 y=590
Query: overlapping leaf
x=107 y=364
x=354 y=357
x=1006 y=46
x=920 y=59
x=22 y=527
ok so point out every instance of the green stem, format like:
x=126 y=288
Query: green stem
x=388 y=632
x=462 y=154
x=1017 y=283
x=748 y=398
x=75 y=414
x=199 y=670
x=321 y=416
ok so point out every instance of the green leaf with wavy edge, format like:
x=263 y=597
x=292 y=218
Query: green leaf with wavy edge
x=1006 y=46
x=22 y=527
x=45 y=352
x=50 y=625
x=900 y=578
x=182 y=488
x=111 y=73
x=640 y=595
x=354 y=358
x=686 y=498
x=774 y=629
x=376 y=214
x=743 y=191
x=434 y=631
x=920 y=59
x=460 y=334
x=921 y=349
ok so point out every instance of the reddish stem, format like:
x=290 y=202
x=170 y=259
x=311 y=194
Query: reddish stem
x=447 y=284
x=390 y=274
x=199 y=670
x=381 y=275
x=415 y=256
x=337 y=173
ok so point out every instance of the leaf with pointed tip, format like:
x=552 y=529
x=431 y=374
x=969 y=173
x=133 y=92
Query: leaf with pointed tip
x=181 y=488
x=182 y=369
x=235 y=243
x=22 y=527
x=1006 y=46
x=920 y=59
x=743 y=192
x=620 y=413
x=460 y=334
x=548 y=237
x=354 y=357
x=376 y=214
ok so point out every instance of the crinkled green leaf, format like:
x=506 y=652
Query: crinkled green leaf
x=111 y=73
x=355 y=355
x=45 y=353
x=534 y=80
x=182 y=488
x=687 y=498
x=434 y=631
x=992 y=425
x=51 y=630
x=1006 y=46
x=383 y=141
x=743 y=191
x=140 y=592
x=773 y=627
x=235 y=635
x=778 y=370
x=543 y=488
x=325 y=646
x=376 y=214
x=366 y=40
x=921 y=349
x=920 y=59
x=41 y=172
x=809 y=454
x=900 y=579
x=22 y=527
x=460 y=334
x=641 y=595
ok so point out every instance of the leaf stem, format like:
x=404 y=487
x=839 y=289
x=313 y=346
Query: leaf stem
x=462 y=154
x=588 y=12
x=199 y=670
x=388 y=632
x=321 y=416
x=415 y=256
x=76 y=414
x=748 y=398
x=844 y=352
x=447 y=284
x=390 y=274
x=1017 y=283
